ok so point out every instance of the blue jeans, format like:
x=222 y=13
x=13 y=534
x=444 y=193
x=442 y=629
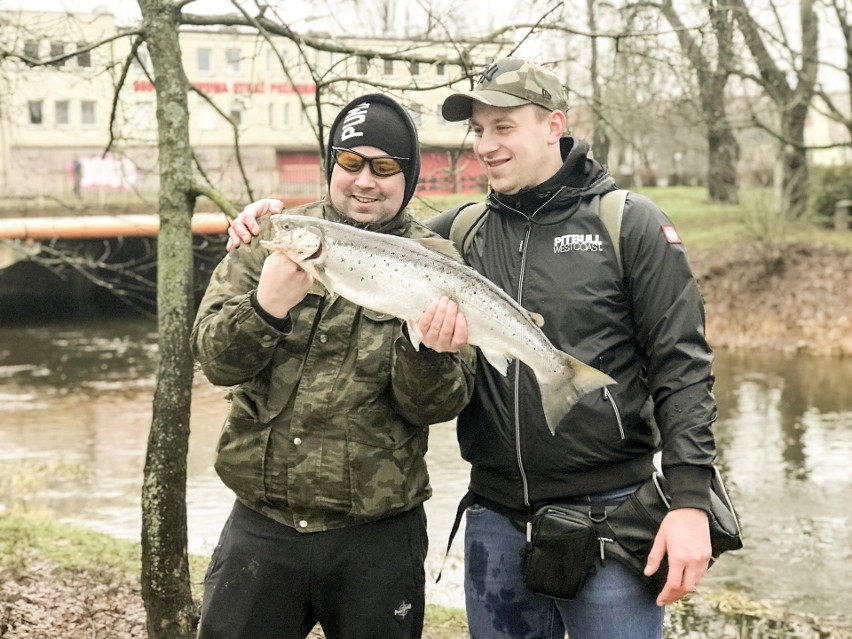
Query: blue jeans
x=614 y=603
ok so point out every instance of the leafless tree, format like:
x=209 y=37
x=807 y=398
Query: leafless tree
x=790 y=87
x=711 y=79
x=165 y=566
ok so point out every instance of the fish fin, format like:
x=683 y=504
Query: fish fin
x=497 y=360
x=537 y=319
x=442 y=246
x=563 y=390
x=415 y=335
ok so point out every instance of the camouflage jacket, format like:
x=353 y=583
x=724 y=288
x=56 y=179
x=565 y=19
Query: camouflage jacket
x=329 y=419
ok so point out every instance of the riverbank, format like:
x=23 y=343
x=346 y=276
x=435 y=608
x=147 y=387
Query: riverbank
x=798 y=301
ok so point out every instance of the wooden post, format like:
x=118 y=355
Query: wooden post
x=841 y=215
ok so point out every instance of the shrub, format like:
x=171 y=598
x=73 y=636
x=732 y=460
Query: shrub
x=829 y=185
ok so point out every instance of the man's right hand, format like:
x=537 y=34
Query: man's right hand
x=282 y=284
x=245 y=226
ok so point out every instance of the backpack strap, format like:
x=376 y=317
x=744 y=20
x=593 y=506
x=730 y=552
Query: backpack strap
x=465 y=225
x=611 y=211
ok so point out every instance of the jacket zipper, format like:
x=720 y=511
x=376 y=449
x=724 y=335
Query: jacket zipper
x=517 y=391
x=522 y=249
x=609 y=398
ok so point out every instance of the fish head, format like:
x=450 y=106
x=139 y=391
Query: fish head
x=297 y=238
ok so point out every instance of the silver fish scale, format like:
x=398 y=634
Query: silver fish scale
x=397 y=264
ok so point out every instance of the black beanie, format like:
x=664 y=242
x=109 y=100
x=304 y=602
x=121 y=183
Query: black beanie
x=379 y=121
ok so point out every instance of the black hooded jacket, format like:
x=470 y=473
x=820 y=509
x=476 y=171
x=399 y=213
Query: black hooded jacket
x=548 y=248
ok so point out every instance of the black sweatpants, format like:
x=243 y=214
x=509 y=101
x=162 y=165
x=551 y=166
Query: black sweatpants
x=268 y=581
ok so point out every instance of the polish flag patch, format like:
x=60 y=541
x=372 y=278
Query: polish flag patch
x=671 y=234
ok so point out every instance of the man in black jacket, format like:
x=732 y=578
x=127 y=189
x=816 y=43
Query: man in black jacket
x=544 y=243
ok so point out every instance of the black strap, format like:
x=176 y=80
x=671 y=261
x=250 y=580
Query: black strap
x=466 y=502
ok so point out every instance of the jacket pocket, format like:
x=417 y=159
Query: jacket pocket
x=376 y=334
x=387 y=467
x=240 y=454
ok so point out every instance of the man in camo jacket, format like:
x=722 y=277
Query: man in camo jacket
x=331 y=404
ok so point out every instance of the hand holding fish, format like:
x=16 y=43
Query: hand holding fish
x=245 y=225
x=443 y=328
x=282 y=285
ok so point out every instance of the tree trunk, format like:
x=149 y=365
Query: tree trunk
x=723 y=151
x=794 y=166
x=600 y=137
x=723 y=158
x=165 y=568
x=792 y=101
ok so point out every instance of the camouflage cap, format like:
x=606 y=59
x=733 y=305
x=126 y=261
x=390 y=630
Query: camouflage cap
x=509 y=82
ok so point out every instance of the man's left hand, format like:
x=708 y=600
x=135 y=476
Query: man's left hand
x=684 y=536
x=443 y=327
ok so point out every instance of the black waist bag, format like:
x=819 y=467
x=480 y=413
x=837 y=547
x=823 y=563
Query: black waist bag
x=560 y=551
x=562 y=540
x=632 y=526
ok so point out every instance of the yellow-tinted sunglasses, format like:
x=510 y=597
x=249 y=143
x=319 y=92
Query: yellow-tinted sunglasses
x=380 y=165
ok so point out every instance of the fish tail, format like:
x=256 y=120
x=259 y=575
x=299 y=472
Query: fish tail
x=562 y=391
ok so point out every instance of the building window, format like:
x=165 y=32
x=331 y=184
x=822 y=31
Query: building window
x=204 y=60
x=84 y=58
x=441 y=69
x=35 y=109
x=271 y=61
x=363 y=63
x=146 y=116
x=57 y=49
x=416 y=111
x=61 y=113
x=31 y=49
x=142 y=59
x=207 y=118
x=236 y=114
x=233 y=57
x=414 y=67
x=87 y=113
x=388 y=70
x=286 y=114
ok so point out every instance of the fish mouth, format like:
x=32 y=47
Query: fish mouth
x=316 y=254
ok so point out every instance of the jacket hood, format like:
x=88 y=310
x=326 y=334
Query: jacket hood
x=412 y=170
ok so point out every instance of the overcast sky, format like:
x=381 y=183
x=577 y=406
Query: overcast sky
x=308 y=14
x=122 y=8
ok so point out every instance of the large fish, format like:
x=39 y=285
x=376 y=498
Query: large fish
x=401 y=277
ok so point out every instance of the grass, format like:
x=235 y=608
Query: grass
x=25 y=537
x=708 y=225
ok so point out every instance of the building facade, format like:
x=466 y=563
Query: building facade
x=258 y=107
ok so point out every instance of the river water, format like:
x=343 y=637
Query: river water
x=75 y=409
